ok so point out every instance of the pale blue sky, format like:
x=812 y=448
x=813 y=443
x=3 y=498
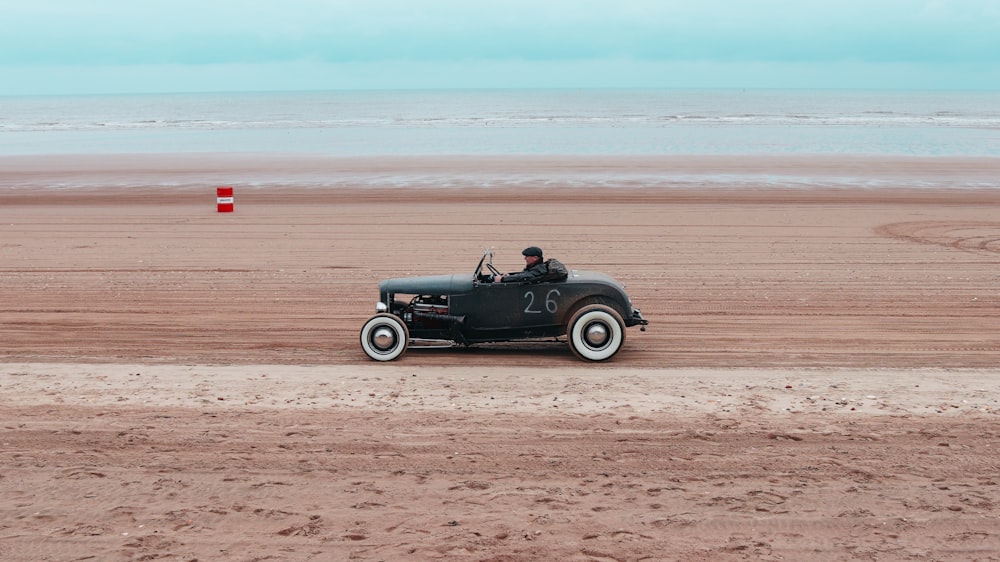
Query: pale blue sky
x=112 y=46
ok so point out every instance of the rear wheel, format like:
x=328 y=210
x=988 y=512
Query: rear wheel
x=384 y=337
x=596 y=332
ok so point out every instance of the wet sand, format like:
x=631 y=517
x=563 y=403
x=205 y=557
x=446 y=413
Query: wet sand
x=819 y=379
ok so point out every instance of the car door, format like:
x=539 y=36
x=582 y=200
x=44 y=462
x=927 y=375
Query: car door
x=516 y=306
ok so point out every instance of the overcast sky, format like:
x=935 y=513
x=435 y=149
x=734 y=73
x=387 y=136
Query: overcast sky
x=108 y=46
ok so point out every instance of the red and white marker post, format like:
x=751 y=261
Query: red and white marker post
x=224 y=199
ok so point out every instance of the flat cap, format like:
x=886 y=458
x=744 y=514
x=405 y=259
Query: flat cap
x=532 y=251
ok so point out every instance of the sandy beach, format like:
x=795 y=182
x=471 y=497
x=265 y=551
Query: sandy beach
x=819 y=380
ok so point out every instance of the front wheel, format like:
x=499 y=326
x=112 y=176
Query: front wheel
x=596 y=332
x=384 y=337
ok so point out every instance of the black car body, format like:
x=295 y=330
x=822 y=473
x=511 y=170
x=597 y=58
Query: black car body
x=590 y=308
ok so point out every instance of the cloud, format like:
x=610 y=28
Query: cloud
x=68 y=46
x=119 y=32
x=603 y=73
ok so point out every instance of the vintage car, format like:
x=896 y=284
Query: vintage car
x=589 y=309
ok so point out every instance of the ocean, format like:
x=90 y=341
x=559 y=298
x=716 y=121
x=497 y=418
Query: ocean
x=315 y=127
x=510 y=122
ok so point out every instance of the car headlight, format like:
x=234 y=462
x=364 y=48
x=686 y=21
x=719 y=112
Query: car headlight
x=381 y=307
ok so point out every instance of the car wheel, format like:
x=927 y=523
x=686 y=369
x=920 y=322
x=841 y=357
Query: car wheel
x=596 y=332
x=384 y=337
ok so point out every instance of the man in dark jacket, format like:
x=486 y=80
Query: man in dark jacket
x=535 y=267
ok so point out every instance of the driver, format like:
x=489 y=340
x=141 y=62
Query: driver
x=535 y=267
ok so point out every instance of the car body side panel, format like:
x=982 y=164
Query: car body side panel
x=497 y=306
x=510 y=305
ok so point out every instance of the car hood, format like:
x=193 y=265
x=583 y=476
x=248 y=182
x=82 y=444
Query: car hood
x=452 y=284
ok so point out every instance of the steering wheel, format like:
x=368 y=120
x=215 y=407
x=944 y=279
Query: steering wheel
x=493 y=269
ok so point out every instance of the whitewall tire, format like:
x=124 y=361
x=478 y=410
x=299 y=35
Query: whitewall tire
x=384 y=337
x=596 y=332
